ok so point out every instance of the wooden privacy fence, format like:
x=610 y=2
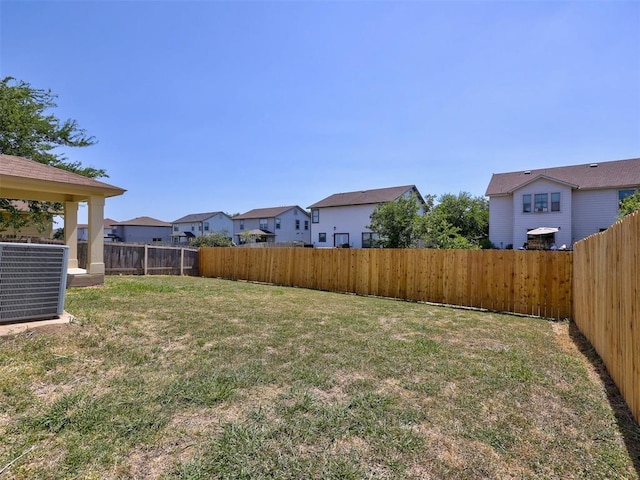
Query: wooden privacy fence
x=129 y=259
x=607 y=302
x=526 y=282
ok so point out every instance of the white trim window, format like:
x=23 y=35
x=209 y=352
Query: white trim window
x=541 y=202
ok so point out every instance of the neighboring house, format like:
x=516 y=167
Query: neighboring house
x=195 y=224
x=142 y=230
x=277 y=224
x=29 y=230
x=341 y=220
x=109 y=233
x=558 y=205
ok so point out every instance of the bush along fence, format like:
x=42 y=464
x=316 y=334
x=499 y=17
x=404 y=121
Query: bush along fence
x=130 y=259
x=525 y=282
x=607 y=308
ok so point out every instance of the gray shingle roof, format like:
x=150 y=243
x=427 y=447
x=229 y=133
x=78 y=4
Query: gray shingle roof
x=196 y=217
x=265 y=212
x=364 y=197
x=614 y=174
x=144 y=222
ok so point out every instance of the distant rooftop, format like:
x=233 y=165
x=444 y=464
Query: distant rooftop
x=613 y=174
x=364 y=197
x=197 y=217
x=266 y=212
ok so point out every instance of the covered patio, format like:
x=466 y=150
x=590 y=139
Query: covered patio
x=24 y=179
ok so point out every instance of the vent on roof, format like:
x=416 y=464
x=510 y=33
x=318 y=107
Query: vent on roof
x=527 y=172
x=33 y=279
x=593 y=165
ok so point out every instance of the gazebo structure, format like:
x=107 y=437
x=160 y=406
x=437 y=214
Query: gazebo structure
x=25 y=179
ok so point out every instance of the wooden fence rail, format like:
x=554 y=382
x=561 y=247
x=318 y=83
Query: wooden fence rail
x=129 y=259
x=607 y=308
x=526 y=282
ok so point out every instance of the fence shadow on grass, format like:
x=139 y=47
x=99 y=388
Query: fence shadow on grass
x=627 y=425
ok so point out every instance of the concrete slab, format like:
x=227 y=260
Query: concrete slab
x=15 y=328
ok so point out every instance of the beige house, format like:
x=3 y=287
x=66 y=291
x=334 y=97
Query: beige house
x=29 y=230
x=21 y=178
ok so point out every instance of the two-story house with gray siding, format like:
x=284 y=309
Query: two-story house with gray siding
x=275 y=224
x=563 y=204
x=195 y=224
x=142 y=230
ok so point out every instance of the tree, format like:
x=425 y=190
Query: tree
x=17 y=215
x=457 y=221
x=438 y=232
x=28 y=130
x=630 y=204
x=397 y=222
x=217 y=239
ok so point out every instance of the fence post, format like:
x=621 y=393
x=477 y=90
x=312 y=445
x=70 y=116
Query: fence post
x=181 y=261
x=146 y=259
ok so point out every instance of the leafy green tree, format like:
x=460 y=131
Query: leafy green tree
x=27 y=129
x=437 y=232
x=630 y=204
x=216 y=239
x=457 y=221
x=397 y=222
x=14 y=218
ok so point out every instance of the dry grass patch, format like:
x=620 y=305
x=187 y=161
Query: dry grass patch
x=176 y=378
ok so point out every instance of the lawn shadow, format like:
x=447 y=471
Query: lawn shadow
x=627 y=425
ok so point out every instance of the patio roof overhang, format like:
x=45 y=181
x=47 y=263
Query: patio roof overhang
x=24 y=179
x=543 y=230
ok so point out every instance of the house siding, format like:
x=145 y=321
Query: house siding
x=593 y=211
x=522 y=222
x=286 y=233
x=339 y=220
x=142 y=233
x=217 y=224
x=582 y=213
x=501 y=221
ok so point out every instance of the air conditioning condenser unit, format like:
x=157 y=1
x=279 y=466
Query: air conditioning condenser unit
x=33 y=280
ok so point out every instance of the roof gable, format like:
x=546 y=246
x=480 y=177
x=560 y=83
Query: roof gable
x=545 y=177
x=365 y=197
x=615 y=174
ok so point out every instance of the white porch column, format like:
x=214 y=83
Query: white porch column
x=95 y=255
x=71 y=232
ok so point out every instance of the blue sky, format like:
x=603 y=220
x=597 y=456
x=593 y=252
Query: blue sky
x=206 y=106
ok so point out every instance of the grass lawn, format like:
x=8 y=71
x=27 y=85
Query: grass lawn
x=192 y=378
